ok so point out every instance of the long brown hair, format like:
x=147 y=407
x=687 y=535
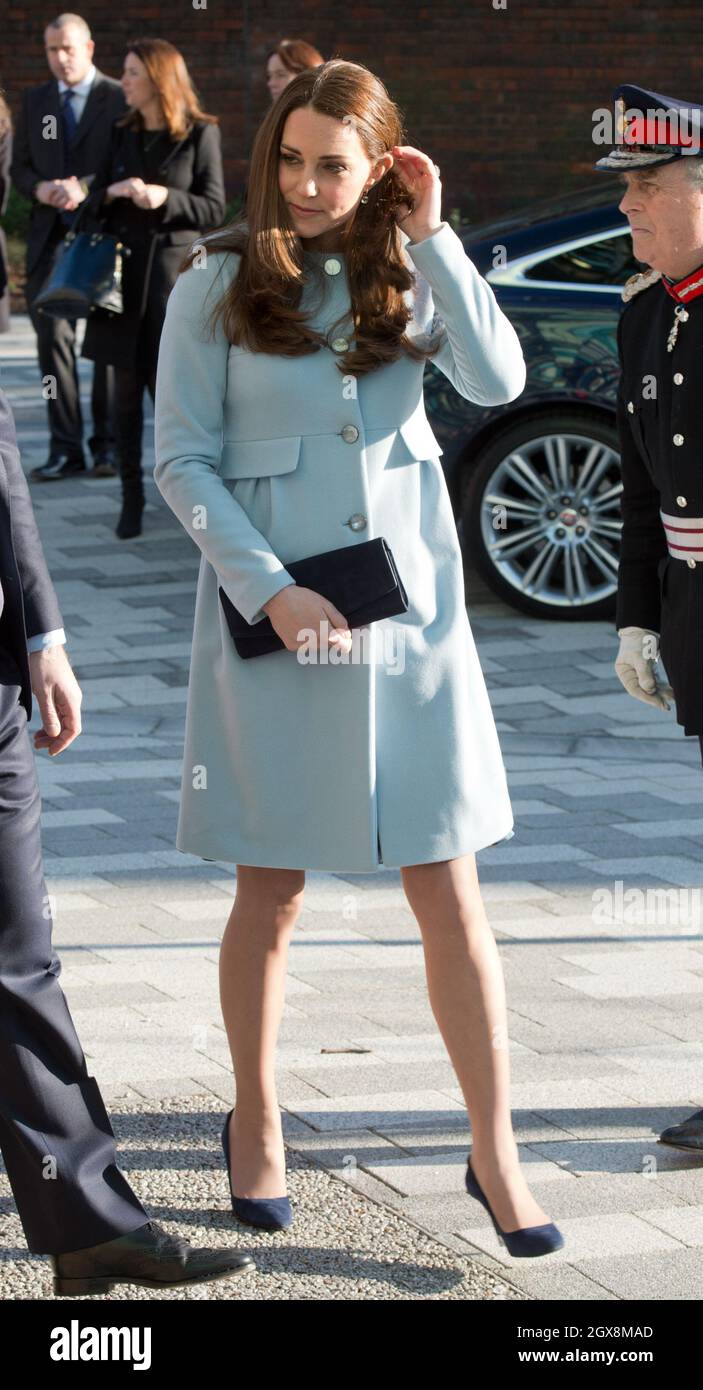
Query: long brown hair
x=259 y=308
x=166 y=67
x=5 y=116
x=296 y=55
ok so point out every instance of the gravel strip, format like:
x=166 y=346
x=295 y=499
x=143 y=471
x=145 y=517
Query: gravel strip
x=342 y=1245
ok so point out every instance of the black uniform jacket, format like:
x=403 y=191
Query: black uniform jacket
x=660 y=422
x=157 y=238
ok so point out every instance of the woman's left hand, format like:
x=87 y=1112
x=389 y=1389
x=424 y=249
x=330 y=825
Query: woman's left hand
x=147 y=195
x=421 y=178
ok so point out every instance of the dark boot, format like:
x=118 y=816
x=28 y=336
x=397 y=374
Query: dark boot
x=130 y=522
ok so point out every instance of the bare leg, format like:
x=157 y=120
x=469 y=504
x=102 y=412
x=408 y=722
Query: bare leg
x=467 y=996
x=253 y=962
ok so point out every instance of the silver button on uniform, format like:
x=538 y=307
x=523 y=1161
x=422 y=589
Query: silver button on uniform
x=357 y=522
x=631 y=407
x=678 y=439
x=340 y=344
x=332 y=265
x=678 y=378
x=682 y=502
x=691 y=562
x=350 y=434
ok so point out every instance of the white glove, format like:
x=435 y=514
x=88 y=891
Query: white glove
x=634 y=666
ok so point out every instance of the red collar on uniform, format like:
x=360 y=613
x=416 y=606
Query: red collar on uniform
x=688 y=288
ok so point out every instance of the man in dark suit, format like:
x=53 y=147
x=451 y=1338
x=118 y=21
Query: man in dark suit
x=55 y=1135
x=62 y=134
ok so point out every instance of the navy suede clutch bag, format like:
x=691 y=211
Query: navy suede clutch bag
x=362 y=581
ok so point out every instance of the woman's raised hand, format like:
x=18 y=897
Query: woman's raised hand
x=421 y=178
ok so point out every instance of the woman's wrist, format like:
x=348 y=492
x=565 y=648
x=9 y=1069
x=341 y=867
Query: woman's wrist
x=424 y=234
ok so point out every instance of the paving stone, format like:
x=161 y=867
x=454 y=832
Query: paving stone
x=661 y=1275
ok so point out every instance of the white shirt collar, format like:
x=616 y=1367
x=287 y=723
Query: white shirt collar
x=81 y=87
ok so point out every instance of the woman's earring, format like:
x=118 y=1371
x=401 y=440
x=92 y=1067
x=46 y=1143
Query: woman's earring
x=364 y=198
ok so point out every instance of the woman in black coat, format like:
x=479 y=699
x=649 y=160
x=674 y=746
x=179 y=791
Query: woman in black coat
x=160 y=187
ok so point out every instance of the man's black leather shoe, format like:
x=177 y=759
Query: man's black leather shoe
x=60 y=466
x=147 y=1256
x=687 y=1135
x=104 y=466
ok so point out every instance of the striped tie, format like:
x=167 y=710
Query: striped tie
x=70 y=126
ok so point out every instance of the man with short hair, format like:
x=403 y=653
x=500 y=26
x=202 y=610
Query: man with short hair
x=660 y=421
x=62 y=134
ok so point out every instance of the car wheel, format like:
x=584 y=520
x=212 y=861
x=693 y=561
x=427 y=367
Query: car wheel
x=540 y=515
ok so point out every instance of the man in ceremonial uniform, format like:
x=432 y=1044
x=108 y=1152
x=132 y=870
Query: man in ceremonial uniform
x=660 y=418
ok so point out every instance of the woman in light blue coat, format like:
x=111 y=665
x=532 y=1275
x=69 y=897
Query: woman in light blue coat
x=290 y=421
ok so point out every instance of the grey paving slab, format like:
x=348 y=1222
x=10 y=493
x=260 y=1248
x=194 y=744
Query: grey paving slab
x=664 y=1274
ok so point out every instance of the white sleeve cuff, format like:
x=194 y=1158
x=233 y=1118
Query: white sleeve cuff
x=45 y=639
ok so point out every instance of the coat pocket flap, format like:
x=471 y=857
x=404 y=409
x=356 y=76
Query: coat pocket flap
x=419 y=439
x=259 y=458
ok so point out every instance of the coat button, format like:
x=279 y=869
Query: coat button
x=333 y=266
x=691 y=562
x=631 y=407
x=357 y=522
x=678 y=378
x=350 y=434
x=682 y=501
x=340 y=344
x=678 y=439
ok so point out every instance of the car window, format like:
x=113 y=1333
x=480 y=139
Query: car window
x=606 y=262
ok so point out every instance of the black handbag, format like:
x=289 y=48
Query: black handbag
x=86 y=274
x=362 y=581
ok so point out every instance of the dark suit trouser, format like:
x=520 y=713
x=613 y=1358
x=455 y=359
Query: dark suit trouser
x=56 y=353
x=55 y=1135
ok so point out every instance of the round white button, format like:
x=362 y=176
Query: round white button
x=333 y=266
x=631 y=407
x=678 y=439
x=681 y=502
x=357 y=522
x=691 y=562
x=350 y=434
x=340 y=344
x=678 y=378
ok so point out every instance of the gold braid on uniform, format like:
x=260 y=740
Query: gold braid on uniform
x=641 y=281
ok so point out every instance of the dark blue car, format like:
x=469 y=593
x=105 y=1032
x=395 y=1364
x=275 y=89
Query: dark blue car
x=536 y=484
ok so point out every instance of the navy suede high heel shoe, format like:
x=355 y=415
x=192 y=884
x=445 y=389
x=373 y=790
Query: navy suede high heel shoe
x=268 y=1213
x=529 y=1240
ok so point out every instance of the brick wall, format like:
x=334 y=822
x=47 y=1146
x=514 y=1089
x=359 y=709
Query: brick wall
x=501 y=99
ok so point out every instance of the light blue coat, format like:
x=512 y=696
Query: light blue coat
x=390 y=757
